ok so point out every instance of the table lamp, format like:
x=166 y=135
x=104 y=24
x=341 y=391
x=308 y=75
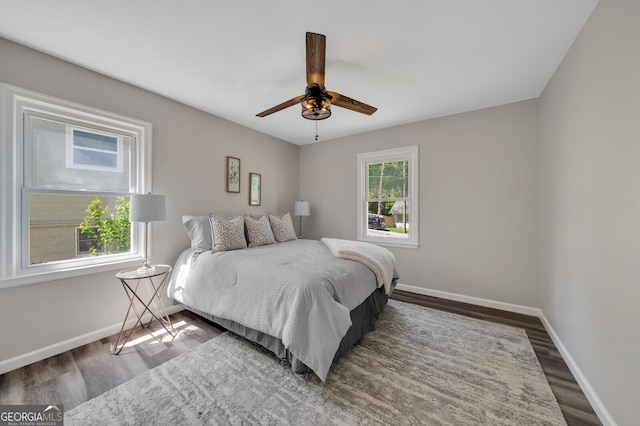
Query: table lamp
x=301 y=208
x=146 y=208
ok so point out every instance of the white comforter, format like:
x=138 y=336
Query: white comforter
x=296 y=291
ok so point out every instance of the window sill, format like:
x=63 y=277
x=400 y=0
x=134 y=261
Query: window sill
x=390 y=243
x=29 y=277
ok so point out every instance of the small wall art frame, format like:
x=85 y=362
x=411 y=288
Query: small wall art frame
x=255 y=189
x=233 y=174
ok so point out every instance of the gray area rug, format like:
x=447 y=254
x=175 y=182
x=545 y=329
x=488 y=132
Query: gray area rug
x=421 y=366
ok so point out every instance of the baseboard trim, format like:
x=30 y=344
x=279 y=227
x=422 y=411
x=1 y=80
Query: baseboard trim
x=66 y=345
x=595 y=401
x=510 y=307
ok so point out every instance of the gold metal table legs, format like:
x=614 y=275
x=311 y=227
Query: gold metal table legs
x=140 y=304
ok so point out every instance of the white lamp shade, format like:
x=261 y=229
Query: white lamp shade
x=301 y=208
x=147 y=208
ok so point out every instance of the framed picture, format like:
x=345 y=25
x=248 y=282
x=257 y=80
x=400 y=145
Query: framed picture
x=255 y=188
x=233 y=174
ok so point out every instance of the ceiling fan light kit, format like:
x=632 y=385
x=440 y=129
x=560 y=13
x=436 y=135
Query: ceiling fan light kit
x=316 y=104
x=316 y=101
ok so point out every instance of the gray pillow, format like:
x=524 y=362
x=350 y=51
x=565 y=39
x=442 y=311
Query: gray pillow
x=199 y=231
x=282 y=228
x=228 y=234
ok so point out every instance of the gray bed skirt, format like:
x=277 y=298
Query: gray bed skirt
x=363 y=319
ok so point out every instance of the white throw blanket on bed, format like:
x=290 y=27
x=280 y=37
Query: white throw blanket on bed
x=380 y=260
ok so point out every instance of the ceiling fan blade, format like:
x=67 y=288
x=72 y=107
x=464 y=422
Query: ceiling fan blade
x=352 y=104
x=282 y=106
x=316 y=54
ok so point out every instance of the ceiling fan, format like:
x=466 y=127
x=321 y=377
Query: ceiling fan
x=316 y=101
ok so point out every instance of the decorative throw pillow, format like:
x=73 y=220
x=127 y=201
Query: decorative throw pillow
x=199 y=230
x=228 y=234
x=259 y=231
x=282 y=228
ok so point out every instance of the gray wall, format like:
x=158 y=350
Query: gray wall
x=189 y=149
x=590 y=204
x=478 y=200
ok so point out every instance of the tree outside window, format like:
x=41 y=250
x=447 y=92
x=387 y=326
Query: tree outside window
x=389 y=187
x=107 y=231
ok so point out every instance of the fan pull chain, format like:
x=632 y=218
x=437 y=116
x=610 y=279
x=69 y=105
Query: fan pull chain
x=316 y=131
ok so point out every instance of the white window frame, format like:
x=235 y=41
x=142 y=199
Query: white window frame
x=15 y=104
x=409 y=153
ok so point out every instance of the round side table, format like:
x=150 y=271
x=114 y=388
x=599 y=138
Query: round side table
x=155 y=279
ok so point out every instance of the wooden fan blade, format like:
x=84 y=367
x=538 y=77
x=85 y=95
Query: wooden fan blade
x=282 y=106
x=316 y=54
x=352 y=104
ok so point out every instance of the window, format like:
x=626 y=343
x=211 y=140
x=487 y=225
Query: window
x=90 y=150
x=88 y=242
x=67 y=173
x=388 y=197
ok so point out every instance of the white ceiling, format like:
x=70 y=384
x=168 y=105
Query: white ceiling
x=412 y=59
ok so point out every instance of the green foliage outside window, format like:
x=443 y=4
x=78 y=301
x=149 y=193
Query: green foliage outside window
x=109 y=230
x=388 y=184
x=389 y=180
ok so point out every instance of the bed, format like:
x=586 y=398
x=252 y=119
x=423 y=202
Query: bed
x=304 y=300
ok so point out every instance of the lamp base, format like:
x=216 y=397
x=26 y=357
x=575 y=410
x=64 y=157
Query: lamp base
x=146 y=267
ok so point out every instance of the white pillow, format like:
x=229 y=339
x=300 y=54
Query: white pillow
x=228 y=234
x=199 y=230
x=259 y=231
x=282 y=228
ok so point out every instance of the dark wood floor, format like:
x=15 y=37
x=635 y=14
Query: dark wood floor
x=76 y=376
x=90 y=370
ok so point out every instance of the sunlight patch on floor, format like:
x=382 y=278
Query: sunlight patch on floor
x=162 y=336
